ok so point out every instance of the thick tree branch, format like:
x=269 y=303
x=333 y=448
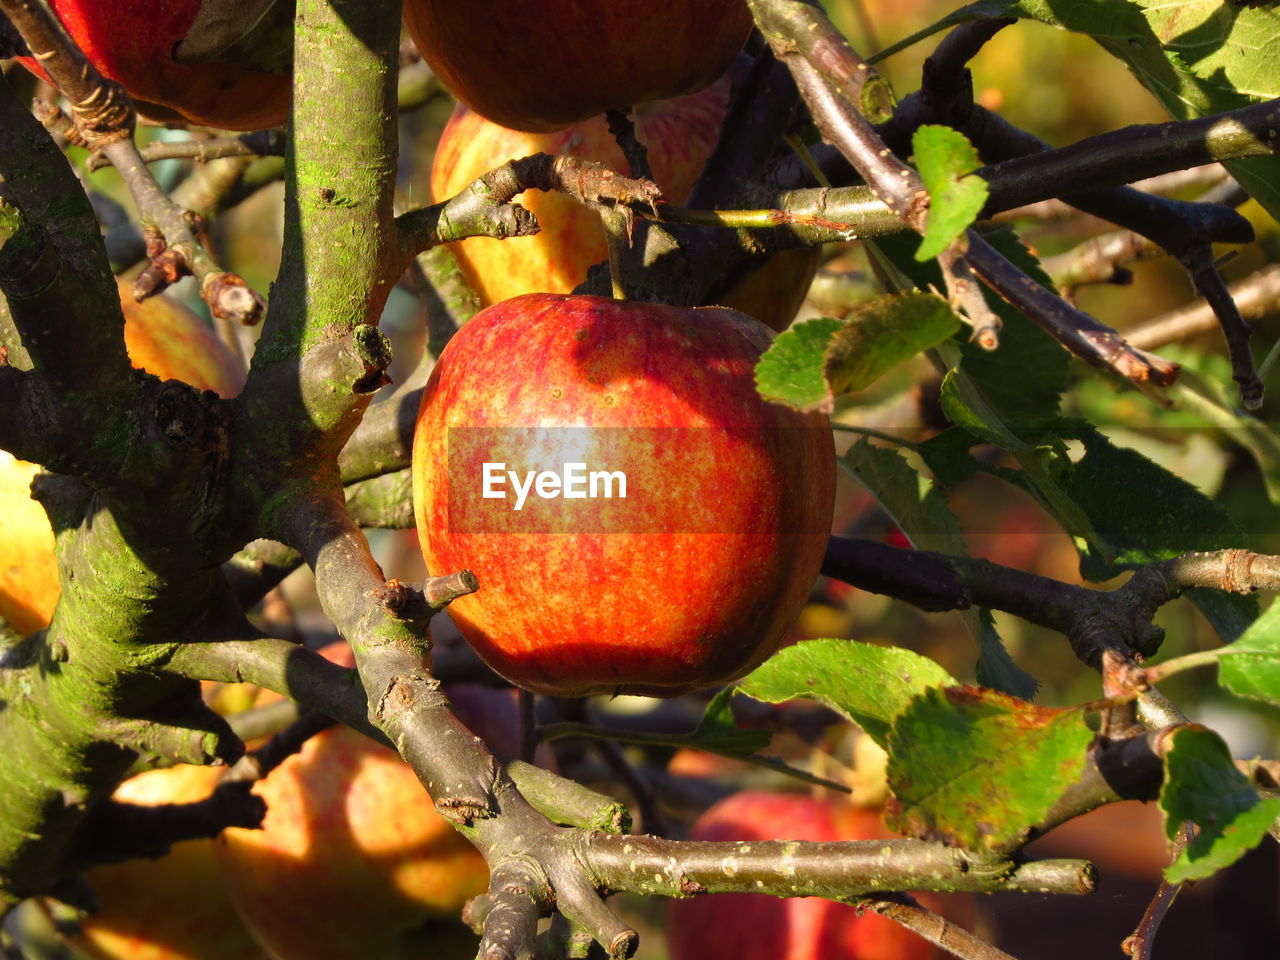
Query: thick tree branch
x=384 y=439
x=1093 y=620
x=60 y=294
x=839 y=870
x=1138 y=151
x=382 y=502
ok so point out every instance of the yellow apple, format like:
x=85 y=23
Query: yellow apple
x=353 y=861
x=679 y=134
x=162 y=337
x=173 y=908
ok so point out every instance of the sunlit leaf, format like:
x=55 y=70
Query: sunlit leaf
x=1203 y=785
x=869 y=684
x=976 y=768
x=946 y=161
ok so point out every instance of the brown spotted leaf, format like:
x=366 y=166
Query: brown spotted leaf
x=976 y=767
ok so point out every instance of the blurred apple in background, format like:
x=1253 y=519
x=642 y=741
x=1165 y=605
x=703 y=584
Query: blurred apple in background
x=547 y=65
x=680 y=135
x=353 y=860
x=162 y=337
x=172 y=908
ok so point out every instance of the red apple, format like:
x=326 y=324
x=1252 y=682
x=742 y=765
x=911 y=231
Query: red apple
x=132 y=42
x=353 y=861
x=689 y=578
x=543 y=66
x=680 y=135
x=754 y=926
x=162 y=337
x=173 y=908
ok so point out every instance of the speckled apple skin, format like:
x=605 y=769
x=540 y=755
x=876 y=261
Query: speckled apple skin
x=543 y=66
x=659 y=612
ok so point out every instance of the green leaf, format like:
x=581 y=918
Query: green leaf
x=1141 y=513
x=948 y=457
x=1203 y=785
x=919 y=509
x=966 y=405
x=1198 y=57
x=976 y=767
x=1141 y=509
x=996 y=668
x=818 y=360
x=946 y=160
x=792 y=370
x=914 y=503
x=883 y=334
x=1250 y=667
x=869 y=684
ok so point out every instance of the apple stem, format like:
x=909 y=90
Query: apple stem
x=618 y=222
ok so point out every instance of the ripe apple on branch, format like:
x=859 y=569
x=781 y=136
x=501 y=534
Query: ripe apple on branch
x=697 y=571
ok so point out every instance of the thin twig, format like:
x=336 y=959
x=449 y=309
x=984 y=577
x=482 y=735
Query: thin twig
x=259 y=143
x=637 y=154
x=802 y=36
x=1099 y=260
x=259 y=763
x=1141 y=942
x=1093 y=620
x=938 y=930
x=1199 y=262
x=528 y=726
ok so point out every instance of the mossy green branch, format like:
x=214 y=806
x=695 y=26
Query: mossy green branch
x=64 y=690
x=320 y=356
x=385 y=501
x=83 y=700
x=339 y=250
